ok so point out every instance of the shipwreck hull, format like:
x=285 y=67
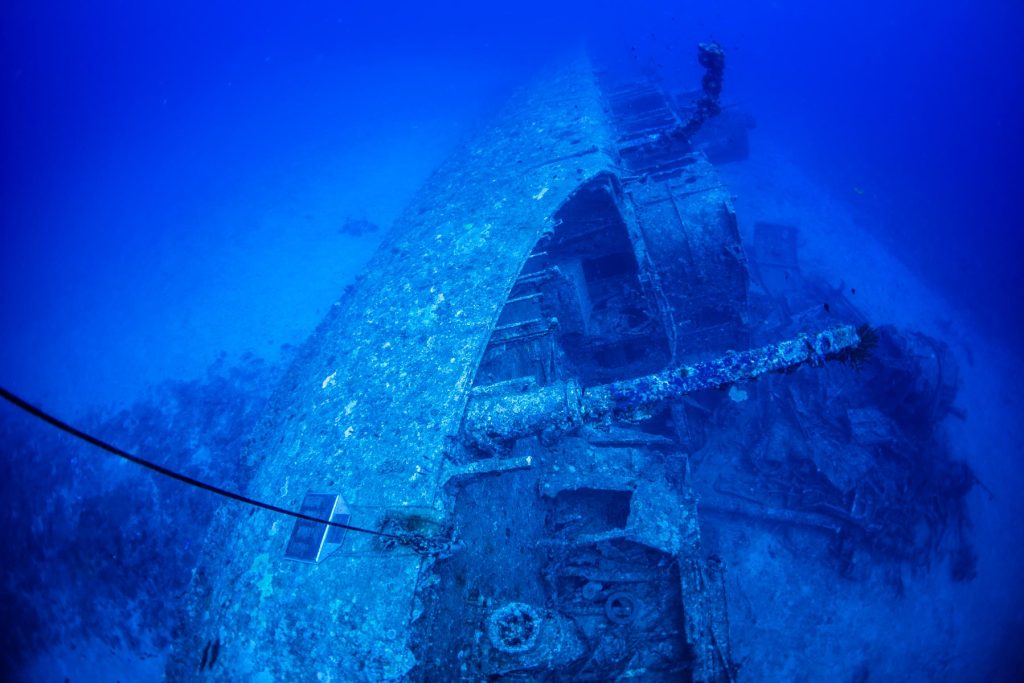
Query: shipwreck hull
x=563 y=243
x=376 y=396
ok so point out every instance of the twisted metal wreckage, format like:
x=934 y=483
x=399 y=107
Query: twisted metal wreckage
x=502 y=394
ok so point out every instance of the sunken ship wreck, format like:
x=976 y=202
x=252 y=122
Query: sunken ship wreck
x=500 y=418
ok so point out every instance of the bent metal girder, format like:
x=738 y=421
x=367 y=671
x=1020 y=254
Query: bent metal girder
x=563 y=406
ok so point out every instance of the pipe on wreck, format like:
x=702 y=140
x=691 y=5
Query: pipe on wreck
x=563 y=406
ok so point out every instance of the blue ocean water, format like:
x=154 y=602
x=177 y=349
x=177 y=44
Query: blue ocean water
x=188 y=187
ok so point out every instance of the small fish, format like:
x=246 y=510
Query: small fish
x=859 y=191
x=853 y=290
x=828 y=309
x=206 y=652
x=215 y=652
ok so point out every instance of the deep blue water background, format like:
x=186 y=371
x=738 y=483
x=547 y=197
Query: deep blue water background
x=174 y=175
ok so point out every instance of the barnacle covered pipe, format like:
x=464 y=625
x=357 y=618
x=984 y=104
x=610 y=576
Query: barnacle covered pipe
x=631 y=397
x=562 y=407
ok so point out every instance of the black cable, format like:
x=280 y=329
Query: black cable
x=159 y=469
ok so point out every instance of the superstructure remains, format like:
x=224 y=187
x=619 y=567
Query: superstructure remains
x=517 y=387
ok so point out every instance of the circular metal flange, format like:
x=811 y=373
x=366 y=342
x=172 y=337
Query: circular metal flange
x=514 y=628
x=620 y=608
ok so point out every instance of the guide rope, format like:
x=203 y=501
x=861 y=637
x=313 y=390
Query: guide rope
x=41 y=414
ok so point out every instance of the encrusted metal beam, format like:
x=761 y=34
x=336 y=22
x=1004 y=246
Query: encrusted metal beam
x=561 y=407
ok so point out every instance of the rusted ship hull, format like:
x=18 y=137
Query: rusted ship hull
x=572 y=244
